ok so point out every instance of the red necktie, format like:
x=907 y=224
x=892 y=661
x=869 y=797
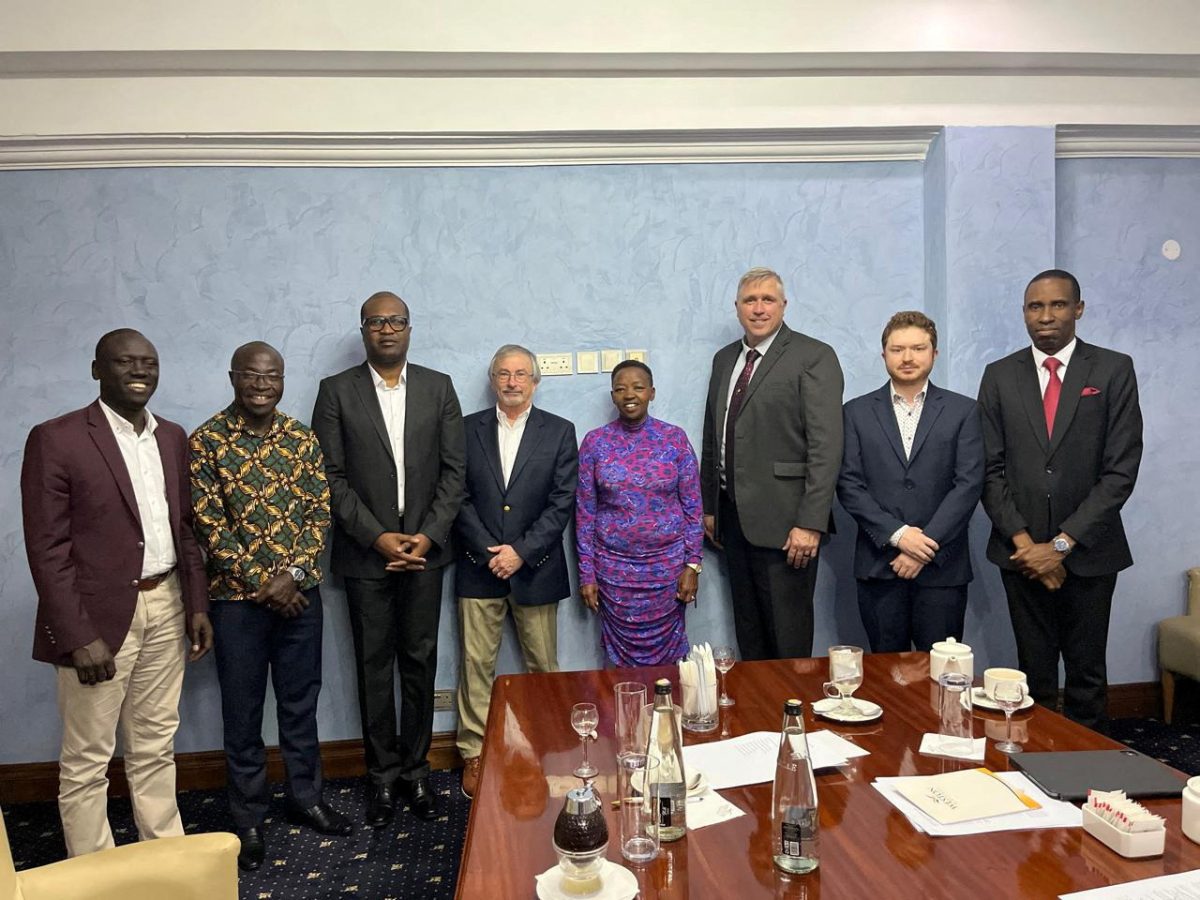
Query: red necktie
x=1053 y=391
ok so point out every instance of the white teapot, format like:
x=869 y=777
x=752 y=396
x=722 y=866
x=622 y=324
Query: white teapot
x=951 y=655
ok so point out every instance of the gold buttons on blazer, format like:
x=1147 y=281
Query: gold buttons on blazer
x=507 y=508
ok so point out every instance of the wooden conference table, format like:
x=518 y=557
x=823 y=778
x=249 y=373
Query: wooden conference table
x=868 y=849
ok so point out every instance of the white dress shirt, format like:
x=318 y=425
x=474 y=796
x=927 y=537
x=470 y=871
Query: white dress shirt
x=144 y=464
x=1063 y=356
x=509 y=433
x=763 y=346
x=908 y=417
x=392 y=403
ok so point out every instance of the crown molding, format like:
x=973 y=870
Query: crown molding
x=1084 y=141
x=466 y=149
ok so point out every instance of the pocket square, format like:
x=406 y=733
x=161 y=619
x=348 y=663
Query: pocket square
x=1090 y=392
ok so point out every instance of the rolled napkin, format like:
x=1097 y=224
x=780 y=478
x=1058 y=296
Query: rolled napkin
x=698 y=682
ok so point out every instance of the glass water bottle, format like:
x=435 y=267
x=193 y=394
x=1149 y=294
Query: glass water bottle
x=669 y=783
x=794 y=819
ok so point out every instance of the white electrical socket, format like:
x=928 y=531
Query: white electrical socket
x=555 y=363
x=609 y=359
x=587 y=362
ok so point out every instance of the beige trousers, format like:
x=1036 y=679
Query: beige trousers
x=481 y=621
x=142 y=702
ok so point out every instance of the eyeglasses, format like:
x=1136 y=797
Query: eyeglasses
x=519 y=377
x=250 y=376
x=376 y=323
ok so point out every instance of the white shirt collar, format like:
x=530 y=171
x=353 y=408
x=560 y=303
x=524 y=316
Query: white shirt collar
x=918 y=396
x=119 y=423
x=503 y=419
x=1063 y=355
x=764 y=345
x=381 y=385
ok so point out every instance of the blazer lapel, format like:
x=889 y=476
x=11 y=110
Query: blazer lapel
x=106 y=443
x=934 y=402
x=774 y=353
x=886 y=415
x=1068 y=401
x=365 y=385
x=485 y=433
x=1030 y=392
x=725 y=362
x=529 y=440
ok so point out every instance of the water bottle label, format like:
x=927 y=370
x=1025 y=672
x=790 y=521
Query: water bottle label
x=790 y=839
x=666 y=812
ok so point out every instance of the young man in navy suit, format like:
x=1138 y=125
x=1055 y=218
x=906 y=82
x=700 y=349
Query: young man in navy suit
x=912 y=473
x=522 y=469
x=1062 y=430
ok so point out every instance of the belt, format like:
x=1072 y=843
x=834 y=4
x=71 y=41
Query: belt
x=149 y=584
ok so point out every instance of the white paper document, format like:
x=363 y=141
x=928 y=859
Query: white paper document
x=710 y=808
x=1181 y=886
x=750 y=758
x=1053 y=813
x=940 y=745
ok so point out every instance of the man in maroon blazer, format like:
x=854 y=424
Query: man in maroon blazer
x=119 y=576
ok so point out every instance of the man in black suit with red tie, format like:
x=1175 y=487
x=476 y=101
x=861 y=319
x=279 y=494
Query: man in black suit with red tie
x=1063 y=441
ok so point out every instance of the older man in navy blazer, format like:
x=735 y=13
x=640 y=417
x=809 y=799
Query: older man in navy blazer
x=522 y=466
x=912 y=474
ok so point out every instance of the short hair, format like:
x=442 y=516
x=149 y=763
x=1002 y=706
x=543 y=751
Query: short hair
x=910 y=318
x=760 y=273
x=632 y=364
x=362 y=310
x=252 y=347
x=106 y=339
x=509 y=350
x=1057 y=273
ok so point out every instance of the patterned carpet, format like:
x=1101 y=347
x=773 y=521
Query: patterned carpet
x=412 y=859
x=1176 y=745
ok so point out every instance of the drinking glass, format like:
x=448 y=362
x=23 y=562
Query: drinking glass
x=637 y=791
x=845 y=676
x=1008 y=696
x=584 y=719
x=629 y=698
x=957 y=729
x=723 y=660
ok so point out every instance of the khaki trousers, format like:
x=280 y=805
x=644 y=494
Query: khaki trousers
x=142 y=701
x=481 y=621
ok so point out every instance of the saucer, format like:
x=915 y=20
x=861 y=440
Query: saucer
x=618 y=883
x=867 y=711
x=983 y=701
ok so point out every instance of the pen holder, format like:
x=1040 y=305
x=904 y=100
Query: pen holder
x=1133 y=845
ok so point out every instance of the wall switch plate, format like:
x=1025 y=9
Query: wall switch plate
x=609 y=359
x=443 y=701
x=554 y=363
x=638 y=355
x=587 y=362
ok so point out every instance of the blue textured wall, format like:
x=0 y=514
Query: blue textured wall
x=557 y=258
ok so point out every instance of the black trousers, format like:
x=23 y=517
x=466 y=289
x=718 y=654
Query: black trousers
x=394 y=622
x=1072 y=621
x=772 y=602
x=249 y=640
x=899 y=614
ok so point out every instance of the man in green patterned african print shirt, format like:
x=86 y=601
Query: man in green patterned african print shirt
x=262 y=513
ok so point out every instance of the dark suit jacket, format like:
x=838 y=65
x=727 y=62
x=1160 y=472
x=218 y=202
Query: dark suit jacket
x=530 y=514
x=936 y=488
x=788 y=434
x=83 y=533
x=1077 y=482
x=362 y=471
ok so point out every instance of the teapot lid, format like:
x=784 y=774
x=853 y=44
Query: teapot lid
x=952 y=646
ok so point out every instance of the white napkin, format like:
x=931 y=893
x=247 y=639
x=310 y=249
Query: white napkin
x=941 y=745
x=698 y=682
x=617 y=883
x=710 y=808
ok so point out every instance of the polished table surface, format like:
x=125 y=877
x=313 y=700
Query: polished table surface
x=868 y=849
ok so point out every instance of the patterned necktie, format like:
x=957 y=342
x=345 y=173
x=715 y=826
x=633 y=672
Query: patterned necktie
x=1053 y=392
x=735 y=407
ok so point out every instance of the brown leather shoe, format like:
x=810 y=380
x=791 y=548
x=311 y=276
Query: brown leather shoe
x=470 y=777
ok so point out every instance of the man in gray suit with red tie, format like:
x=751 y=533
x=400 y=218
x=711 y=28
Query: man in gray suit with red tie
x=1062 y=431
x=120 y=581
x=771 y=454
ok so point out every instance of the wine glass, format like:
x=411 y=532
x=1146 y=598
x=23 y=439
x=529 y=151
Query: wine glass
x=723 y=660
x=584 y=719
x=845 y=677
x=1008 y=696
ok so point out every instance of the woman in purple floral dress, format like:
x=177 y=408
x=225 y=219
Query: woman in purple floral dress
x=638 y=525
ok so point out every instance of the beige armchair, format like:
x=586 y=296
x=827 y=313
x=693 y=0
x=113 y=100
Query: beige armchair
x=1179 y=645
x=196 y=867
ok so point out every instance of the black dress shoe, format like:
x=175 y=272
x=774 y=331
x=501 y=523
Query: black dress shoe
x=381 y=808
x=322 y=818
x=253 y=851
x=420 y=798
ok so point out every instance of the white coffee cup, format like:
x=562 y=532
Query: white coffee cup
x=991 y=676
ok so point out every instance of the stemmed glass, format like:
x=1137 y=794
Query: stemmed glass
x=584 y=719
x=1008 y=696
x=845 y=677
x=723 y=661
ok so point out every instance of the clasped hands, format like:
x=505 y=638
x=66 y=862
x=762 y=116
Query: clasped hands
x=403 y=552
x=1039 y=562
x=917 y=550
x=281 y=594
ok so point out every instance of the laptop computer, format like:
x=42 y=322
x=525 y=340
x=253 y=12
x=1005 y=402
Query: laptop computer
x=1069 y=775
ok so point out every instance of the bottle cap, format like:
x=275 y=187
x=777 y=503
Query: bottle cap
x=792 y=707
x=662 y=686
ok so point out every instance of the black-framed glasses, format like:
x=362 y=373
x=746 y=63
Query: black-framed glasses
x=250 y=376
x=376 y=323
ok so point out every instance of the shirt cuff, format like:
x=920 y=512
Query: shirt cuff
x=894 y=540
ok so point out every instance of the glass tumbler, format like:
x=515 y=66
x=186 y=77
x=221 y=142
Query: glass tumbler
x=636 y=790
x=957 y=726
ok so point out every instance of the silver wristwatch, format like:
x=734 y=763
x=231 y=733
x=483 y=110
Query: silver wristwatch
x=297 y=573
x=1060 y=544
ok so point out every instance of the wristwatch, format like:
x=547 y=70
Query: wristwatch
x=695 y=567
x=1060 y=544
x=297 y=573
